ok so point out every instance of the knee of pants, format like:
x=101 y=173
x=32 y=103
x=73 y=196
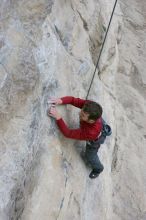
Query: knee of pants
x=99 y=168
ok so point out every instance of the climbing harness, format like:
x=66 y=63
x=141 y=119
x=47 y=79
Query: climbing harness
x=106 y=131
x=101 y=49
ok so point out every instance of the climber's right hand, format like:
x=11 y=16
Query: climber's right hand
x=55 y=101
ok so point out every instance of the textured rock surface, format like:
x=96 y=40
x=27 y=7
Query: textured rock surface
x=49 y=48
x=128 y=172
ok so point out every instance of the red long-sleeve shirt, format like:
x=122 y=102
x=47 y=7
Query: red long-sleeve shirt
x=86 y=131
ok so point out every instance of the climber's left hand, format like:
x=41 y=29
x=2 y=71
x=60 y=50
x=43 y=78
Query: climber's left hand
x=54 y=113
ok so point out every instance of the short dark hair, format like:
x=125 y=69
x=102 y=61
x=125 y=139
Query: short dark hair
x=93 y=109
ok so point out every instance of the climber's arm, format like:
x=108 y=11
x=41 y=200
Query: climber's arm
x=77 y=102
x=78 y=134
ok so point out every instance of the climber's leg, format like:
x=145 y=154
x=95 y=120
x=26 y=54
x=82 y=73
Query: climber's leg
x=93 y=159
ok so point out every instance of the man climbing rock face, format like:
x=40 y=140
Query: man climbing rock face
x=90 y=128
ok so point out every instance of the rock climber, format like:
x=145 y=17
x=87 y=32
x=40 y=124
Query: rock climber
x=90 y=128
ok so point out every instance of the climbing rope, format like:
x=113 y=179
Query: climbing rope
x=101 y=49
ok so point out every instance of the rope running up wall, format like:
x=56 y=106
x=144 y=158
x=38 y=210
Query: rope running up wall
x=97 y=64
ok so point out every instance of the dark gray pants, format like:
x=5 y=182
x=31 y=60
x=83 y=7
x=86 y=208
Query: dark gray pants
x=92 y=157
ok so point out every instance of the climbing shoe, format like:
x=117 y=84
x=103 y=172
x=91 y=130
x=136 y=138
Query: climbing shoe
x=93 y=174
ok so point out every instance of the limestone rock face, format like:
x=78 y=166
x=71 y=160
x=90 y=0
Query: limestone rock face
x=49 y=49
x=129 y=157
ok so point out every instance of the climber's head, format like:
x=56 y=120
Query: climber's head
x=90 y=112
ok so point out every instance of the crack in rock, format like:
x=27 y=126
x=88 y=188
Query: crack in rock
x=78 y=206
x=85 y=25
x=61 y=205
x=115 y=158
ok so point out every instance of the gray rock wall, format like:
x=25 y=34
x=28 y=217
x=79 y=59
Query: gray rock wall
x=128 y=172
x=49 y=49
